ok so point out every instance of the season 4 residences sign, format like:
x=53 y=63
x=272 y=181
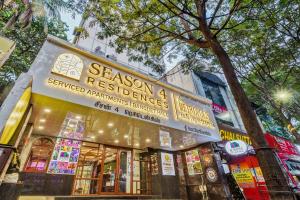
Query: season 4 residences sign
x=64 y=72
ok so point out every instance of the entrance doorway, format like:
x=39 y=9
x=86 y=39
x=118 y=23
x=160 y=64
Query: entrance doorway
x=103 y=170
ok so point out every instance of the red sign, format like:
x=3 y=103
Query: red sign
x=282 y=145
x=218 y=109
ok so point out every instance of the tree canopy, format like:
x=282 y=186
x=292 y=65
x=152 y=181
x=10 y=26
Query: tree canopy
x=28 y=43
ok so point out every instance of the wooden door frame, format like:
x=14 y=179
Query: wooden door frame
x=117 y=170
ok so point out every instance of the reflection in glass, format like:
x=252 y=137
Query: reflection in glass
x=88 y=170
x=109 y=175
x=124 y=171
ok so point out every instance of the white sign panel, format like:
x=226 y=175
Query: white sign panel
x=167 y=163
x=236 y=147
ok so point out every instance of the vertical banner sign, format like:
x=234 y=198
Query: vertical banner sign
x=167 y=164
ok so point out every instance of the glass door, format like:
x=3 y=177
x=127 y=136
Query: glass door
x=88 y=173
x=109 y=174
x=124 y=172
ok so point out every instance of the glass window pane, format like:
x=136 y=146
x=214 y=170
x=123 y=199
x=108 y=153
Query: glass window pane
x=125 y=171
x=110 y=166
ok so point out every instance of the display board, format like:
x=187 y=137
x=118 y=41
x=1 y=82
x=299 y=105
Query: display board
x=243 y=175
x=64 y=157
x=193 y=162
x=167 y=164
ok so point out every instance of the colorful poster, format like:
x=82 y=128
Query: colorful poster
x=193 y=162
x=167 y=163
x=64 y=157
x=242 y=175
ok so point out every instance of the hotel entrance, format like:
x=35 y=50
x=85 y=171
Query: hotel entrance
x=103 y=170
x=112 y=131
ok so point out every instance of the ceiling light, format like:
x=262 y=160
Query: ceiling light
x=47 y=110
x=100 y=131
x=110 y=124
x=93 y=137
x=148 y=140
x=116 y=141
x=181 y=146
x=41 y=127
x=42 y=120
x=125 y=136
x=137 y=144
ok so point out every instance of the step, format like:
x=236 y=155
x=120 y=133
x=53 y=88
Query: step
x=116 y=197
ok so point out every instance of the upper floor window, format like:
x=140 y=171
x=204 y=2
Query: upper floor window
x=212 y=91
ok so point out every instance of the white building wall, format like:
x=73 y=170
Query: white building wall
x=181 y=80
x=92 y=43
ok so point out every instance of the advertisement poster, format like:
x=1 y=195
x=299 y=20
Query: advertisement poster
x=165 y=139
x=258 y=175
x=243 y=175
x=193 y=162
x=167 y=163
x=64 y=157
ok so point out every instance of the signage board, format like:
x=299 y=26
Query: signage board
x=282 y=145
x=167 y=164
x=228 y=134
x=63 y=72
x=236 y=147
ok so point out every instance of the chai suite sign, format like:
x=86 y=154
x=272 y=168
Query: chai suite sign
x=64 y=72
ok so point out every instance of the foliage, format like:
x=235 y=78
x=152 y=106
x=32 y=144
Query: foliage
x=164 y=29
x=28 y=42
x=265 y=51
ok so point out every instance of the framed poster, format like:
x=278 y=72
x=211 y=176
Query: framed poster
x=64 y=157
x=167 y=164
x=193 y=162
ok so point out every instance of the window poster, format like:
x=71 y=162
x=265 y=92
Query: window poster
x=64 y=157
x=66 y=151
x=193 y=162
x=165 y=139
x=167 y=163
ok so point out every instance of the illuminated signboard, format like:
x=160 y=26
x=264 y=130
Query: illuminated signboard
x=65 y=154
x=97 y=83
x=229 y=134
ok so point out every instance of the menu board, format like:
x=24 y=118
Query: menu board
x=193 y=162
x=64 y=157
x=167 y=164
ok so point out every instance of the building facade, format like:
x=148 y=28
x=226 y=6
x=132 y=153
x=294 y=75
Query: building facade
x=83 y=125
x=238 y=157
x=102 y=48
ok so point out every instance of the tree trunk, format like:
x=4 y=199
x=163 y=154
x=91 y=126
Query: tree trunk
x=275 y=178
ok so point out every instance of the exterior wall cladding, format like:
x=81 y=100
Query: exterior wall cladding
x=190 y=82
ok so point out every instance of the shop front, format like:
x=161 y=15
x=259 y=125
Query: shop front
x=92 y=127
x=240 y=165
x=289 y=157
